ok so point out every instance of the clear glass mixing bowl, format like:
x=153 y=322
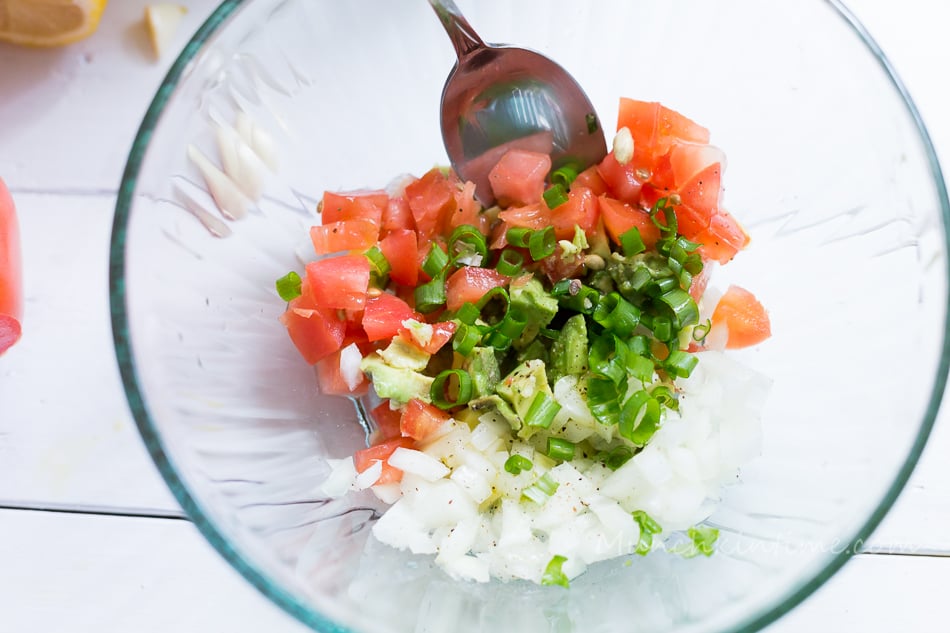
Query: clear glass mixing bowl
x=829 y=168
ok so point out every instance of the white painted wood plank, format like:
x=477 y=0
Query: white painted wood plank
x=68 y=116
x=93 y=574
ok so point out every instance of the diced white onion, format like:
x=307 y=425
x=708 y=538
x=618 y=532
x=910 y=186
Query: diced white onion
x=418 y=463
x=369 y=476
x=341 y=479
x=623 y=146
x=350 y=358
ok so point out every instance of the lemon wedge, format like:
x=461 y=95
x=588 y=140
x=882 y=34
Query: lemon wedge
x=48 y=22
x=162 y=22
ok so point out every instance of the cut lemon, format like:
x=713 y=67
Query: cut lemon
x=48 y=22
x=162 y=20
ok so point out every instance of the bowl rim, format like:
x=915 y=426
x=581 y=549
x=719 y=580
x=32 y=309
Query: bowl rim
x=289 y=602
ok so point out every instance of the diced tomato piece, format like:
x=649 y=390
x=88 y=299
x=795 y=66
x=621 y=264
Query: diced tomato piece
x=430 y=199
x=640 y=118
x=330 y=378
x=316 y=332
x=698 y=286
x=671 y=126
x=518 y=178
x=722 y=239
x=556 y=268
x=346 y=235
x=655 y=129
x=384 y=314
x=620 y=218
x=621 y=180
x=591 y=179
x=442 y=332
x=387 y=422
x=688 y=159
x=11 y=276
x=340 y=282
x=746 y=318
x=469 y=284
x=397 y=216
x=581 y=209
x=702 y=191
x=532 y=216
x=381 y=452
x=360 y=205
x=420 y=420
x=401 y=249
x=467 y=210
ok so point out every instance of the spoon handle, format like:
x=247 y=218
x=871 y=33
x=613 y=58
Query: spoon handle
x=463 y=36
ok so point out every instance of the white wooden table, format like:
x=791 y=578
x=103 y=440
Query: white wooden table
x=91 y=540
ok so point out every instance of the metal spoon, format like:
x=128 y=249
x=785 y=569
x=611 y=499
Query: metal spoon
x=499 y=98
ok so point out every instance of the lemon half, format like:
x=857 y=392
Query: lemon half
x=48 y=22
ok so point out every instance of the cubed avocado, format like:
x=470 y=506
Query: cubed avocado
x=399 y=384
x=535 y=304
x=494 y=403
x=569 y=350
x=482 y=366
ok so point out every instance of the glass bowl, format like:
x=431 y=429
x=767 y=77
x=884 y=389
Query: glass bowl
x=830 y=169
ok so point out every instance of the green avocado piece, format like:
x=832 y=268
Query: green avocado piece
x=520 y=387
x=483 y=368
x=537 y=306
x=404 y=355
x=494 y=403
x=399 y=384
x=569 y=350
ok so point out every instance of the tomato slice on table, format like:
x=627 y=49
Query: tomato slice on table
x=11 y=279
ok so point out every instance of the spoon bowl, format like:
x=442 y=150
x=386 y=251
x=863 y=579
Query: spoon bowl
x=499 y=98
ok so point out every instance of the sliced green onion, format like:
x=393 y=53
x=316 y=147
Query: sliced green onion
x=542 y=411
x=466 y=240
x=693 y=264
x=701 y=331
x=542 y=243
x=704 y=539
x=443 y=383
x=518 y=463
x=663 y=285
x=564 y=175
x=684 y=308
x=466 y=337
x=541 y=490
x=618 y=457
x=510 y=262
x=640 y=278
x=617 y=315
x=662 y=327
x=498 y=341
x=669 y=215
x=289 y=286
x=603 y=399
x=468 y=313
x=378 y=261
x=565 y=287
x=585 y=300
x=680 y=363
x=552 y=573
x=430 y=295
x=512 y=325
x=640 y=418
x=639 y=345
x=648 y=527
x=518 y=236
x=435 y=262
x=560 y=449
x=632 y=242
x=665 y=396
x=606 y=358
x=640 y=367
x=554 y=196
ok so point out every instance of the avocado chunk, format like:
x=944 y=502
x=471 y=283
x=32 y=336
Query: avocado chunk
x=537 y=306
x=483 y=368
x=519 y=389
x=404 y=355
x=494 y=404
x=569 y=350
x=399 y=384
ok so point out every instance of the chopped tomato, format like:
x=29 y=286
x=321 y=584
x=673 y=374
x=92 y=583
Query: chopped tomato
x=420 y=420
x=11 y=276
x=744 y=316
x=316 y=332
x=655 y=129
x=518 y=178
x=367 y=205
x=556 y=268
x=703 y=190
x=331 y=381
x=533 y=216
x=401 y=250
x=466 y=210
x=698 y=286
x=621 y=180
x=346 y=235
x=381 y=452
x=469 y=284
x=397 y=215
x=722 y=239
x=620 y=218
x=430 y=199
x=591 y=179
x=384 y=314
x=387 y=422
x=581 y=210
x=339 y=282
x=442 y=332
